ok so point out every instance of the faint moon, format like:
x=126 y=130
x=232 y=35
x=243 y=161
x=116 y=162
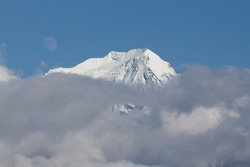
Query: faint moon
x=50 y=44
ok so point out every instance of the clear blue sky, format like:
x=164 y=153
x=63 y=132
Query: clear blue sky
x=215 y=33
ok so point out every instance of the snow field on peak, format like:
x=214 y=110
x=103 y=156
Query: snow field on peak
x=136 y=68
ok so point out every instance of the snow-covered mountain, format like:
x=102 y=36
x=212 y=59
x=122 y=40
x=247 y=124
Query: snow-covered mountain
x=140 y=68
x=137 y=68
x=129 y=107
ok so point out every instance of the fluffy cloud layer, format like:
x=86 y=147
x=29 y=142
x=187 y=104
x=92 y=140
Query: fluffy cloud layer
x=200 y=119
x=6 y=75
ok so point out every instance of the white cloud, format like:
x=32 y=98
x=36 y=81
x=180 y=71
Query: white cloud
x=21 y=161
x=199 y=120
x=43 y=65
x=242 y=101
x=6 y=75
x=64 y=120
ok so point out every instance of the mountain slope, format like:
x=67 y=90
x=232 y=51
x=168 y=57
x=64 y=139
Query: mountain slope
x=137 y=68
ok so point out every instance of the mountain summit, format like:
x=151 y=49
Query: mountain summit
x=137 y=68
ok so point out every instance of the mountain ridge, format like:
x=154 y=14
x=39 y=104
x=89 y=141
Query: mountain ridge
x=136 y=68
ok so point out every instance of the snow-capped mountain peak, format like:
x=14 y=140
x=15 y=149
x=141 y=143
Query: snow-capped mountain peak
x=137 y=68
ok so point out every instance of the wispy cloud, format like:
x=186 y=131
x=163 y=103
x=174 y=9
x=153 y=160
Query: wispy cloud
x=5 y=74
x=200 y=119
x=41 y=67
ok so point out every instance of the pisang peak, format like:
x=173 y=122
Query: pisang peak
x=137 y=67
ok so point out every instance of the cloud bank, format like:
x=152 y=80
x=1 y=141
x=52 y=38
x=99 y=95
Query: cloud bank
x=200 y=119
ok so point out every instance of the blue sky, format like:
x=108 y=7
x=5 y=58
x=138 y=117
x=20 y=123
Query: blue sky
x=208 y=32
